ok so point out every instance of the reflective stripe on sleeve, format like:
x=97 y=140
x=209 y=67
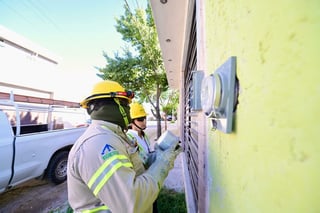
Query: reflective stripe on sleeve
x=100 y=209
x=106 y=170
x=130 y=136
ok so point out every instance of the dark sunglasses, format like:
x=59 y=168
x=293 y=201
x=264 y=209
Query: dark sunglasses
x=141 y=119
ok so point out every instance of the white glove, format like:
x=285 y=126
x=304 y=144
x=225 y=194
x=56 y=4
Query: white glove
x=164 y=163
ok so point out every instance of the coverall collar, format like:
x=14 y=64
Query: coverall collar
x=112 y=127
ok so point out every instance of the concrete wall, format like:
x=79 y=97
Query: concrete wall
x=270 y=163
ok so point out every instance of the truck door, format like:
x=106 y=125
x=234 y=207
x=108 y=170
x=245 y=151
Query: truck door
x=6 y=150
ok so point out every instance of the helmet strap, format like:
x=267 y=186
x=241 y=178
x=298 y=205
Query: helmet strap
x=138 y=126
x=123 y=112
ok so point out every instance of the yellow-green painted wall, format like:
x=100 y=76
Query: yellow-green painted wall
x=271 y=162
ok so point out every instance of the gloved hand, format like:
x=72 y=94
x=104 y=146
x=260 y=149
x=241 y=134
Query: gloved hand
x=164 y=163
x=151 y=159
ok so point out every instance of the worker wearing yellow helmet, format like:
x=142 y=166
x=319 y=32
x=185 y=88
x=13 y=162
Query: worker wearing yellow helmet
x=137 y=135
x=105 y=172
x=109 y=91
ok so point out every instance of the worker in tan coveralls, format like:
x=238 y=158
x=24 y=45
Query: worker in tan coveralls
x=105 y=173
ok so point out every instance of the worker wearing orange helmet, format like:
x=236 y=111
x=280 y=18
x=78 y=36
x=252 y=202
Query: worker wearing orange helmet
x=105 y=172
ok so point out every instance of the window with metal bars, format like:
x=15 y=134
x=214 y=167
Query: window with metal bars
x=190 y=123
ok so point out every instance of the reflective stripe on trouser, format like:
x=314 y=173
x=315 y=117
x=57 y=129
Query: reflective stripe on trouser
x=100 y=209
x=106 y=170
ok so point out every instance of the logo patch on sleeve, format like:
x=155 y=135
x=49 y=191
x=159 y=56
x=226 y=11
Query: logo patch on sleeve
x=108 y=151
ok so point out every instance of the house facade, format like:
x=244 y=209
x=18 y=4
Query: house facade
x=25 y=63
x=260 y=60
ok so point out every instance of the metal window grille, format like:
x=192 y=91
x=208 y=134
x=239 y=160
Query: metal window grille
x=190 y=122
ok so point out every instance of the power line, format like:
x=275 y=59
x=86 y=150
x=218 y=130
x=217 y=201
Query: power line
x=16 y=12
x=43 y=15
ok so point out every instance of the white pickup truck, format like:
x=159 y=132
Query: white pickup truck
x=35 y=139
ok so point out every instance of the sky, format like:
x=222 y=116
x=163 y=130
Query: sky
x=76 y=31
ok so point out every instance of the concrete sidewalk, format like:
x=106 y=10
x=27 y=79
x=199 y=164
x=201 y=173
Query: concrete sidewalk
x=175 y=178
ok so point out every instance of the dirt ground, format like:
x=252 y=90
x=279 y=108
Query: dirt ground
x=39 y=196
x=34 y=196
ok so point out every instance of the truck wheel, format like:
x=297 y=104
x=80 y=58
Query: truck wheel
x=57 y=169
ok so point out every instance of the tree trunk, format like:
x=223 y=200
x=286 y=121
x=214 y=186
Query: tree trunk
x=158 y=113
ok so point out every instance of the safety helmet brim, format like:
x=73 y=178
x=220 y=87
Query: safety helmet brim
x=107 y=89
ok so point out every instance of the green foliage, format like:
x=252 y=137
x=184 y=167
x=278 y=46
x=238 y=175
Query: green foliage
x=170 y=201
x=141 y=70
x=169 y=102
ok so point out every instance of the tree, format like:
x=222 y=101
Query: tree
x=141 y=70
x=169 y=101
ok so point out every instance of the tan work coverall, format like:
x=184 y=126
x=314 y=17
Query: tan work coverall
x=105 y=173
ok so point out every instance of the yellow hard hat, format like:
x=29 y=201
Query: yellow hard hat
x=137 y=111
x=107 y=89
